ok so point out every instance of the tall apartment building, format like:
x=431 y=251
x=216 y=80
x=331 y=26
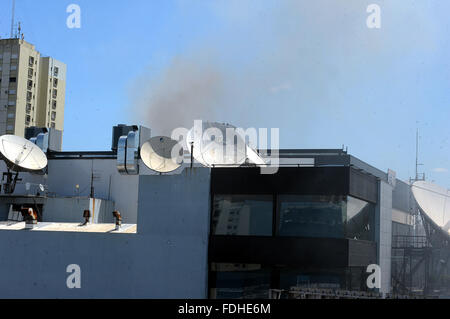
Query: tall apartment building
x=32 y=88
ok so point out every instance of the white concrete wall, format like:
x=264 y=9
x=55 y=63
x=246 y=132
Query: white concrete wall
x=384 y=234
x=167 y=258
x=64 y=175
x=70 y=210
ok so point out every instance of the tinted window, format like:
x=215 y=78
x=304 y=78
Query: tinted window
x=240 y=281
x=360 y=219
x=311 y=216
x=242 y=215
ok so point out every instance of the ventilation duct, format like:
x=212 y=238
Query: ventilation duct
x=128 y=150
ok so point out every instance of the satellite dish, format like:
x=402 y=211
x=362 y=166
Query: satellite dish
x=41 y=187
x=434 y=201
x=253 y=157
x=158 y=154
x=210 y=147
x=21 y=155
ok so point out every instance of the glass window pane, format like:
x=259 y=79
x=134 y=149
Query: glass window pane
x=311 y=216
x=241 y=215
x=309 y=278
x=240 y=281
x=360 y=219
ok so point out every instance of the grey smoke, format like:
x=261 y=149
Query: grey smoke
x=272 y=64
x=187 y=90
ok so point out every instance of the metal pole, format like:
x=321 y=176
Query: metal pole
x=92 y=180
x=417 y=154
x=192 y=154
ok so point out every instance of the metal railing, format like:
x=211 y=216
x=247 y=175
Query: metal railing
x=318 y=293
x=403 y=241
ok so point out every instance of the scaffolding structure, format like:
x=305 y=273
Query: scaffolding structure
x=420 y=261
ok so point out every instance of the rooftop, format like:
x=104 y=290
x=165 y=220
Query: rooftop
x=70 y=227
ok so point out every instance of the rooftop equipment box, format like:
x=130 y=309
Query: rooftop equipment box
x=118 y=131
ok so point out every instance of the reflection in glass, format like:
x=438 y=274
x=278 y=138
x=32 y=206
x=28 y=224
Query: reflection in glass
x=311 y=216
x=254 y=281
x=349 y=278
x=240 y=281
x=360 y=219
x=317 y=278
x=242 y=215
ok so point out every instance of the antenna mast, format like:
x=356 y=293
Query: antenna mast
x=418 y=177
x=417 y=154
x=12 y=17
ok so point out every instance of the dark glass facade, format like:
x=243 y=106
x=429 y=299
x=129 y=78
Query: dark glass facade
x=302 y=227
x=254 y=281
x=312 y=278
x=295 y=216
x=240 y=281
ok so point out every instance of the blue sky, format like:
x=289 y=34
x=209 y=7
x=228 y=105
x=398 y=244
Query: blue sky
x=311 y=68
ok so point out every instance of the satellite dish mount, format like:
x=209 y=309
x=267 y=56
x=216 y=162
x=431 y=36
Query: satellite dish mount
x=20 y=155
x=11 y=181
